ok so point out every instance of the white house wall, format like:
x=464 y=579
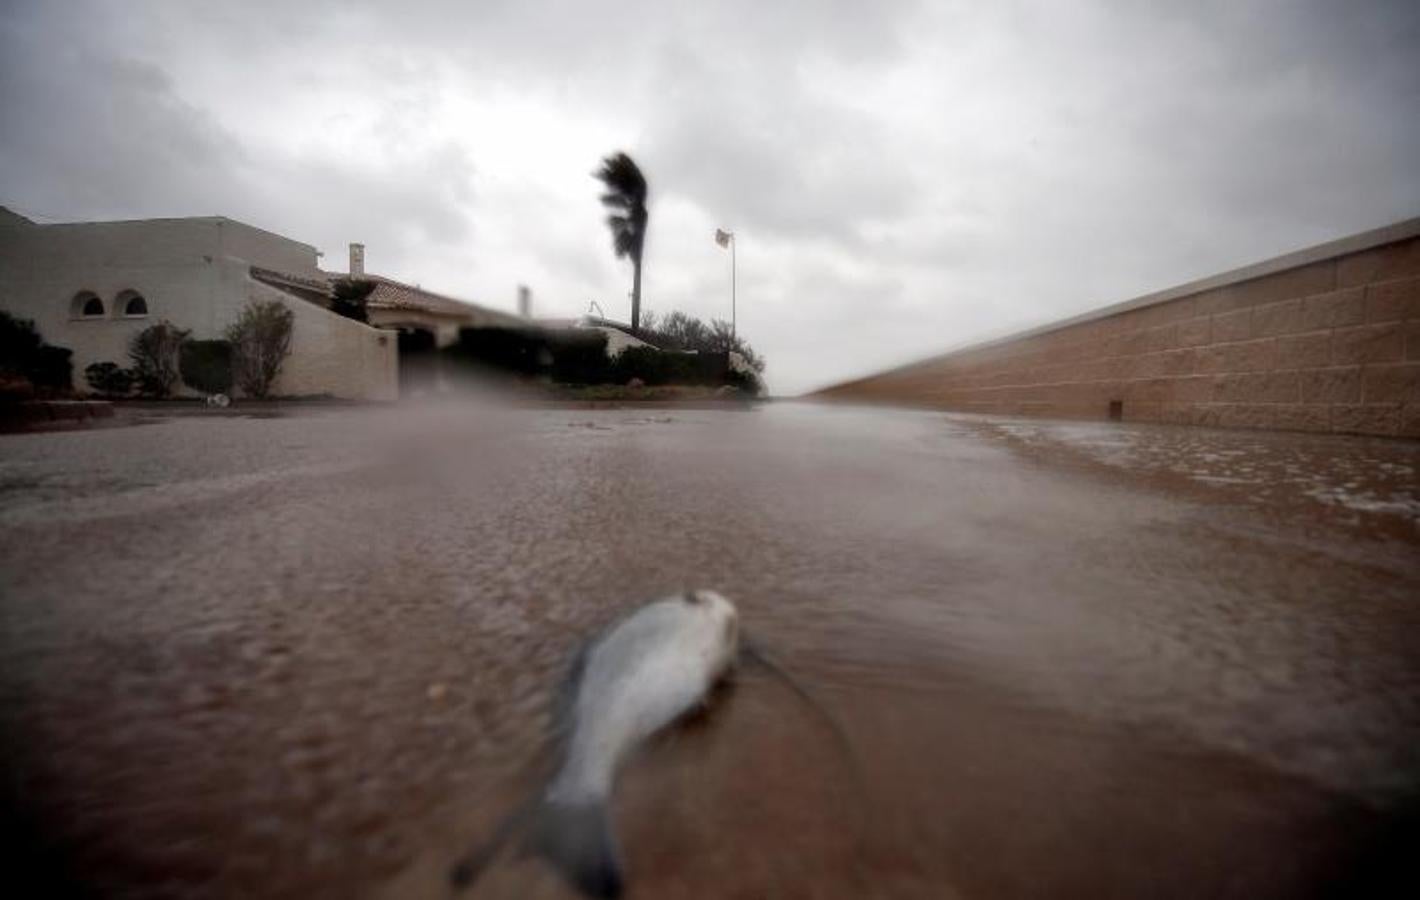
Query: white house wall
x=332 y=355
x=189 y=273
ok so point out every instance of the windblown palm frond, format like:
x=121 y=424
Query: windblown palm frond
x=625 y=195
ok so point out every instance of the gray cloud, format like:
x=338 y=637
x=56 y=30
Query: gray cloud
x=811 y=171
x=87 y=133
x=903 y=176
x=109 y=139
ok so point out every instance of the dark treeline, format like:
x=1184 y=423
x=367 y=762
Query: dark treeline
x=678 y=331
x=578 y=356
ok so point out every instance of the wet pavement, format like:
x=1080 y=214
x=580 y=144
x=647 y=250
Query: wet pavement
x=312 y=654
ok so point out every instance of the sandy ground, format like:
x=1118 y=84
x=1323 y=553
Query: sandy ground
x=311 y=654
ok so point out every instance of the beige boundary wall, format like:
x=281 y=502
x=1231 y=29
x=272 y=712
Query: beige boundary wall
x=1325 y=339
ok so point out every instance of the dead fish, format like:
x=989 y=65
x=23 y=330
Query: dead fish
x=642 y=674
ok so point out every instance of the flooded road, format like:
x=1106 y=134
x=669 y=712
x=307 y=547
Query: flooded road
x=313 y=655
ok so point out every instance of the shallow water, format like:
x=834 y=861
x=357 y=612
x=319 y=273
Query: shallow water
x=312 y=655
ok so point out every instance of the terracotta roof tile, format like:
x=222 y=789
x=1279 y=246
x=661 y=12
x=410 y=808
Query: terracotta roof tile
x=391 y=294
x=309 y=288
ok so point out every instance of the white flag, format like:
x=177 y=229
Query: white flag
x=722 y=237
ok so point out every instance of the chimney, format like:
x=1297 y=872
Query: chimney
x=524 y=301
x=357 y=260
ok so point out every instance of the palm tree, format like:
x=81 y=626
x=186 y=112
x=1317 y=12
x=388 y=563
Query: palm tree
x=626 y=197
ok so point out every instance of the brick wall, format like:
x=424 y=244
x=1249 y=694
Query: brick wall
x=1326 y=339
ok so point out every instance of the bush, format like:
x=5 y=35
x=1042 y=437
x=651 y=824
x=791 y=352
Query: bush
x=109 y=379
x=51 y=367
x=579 y=357
x=679 y=331
x=749 y=382
x=18 y=342
x=24 y=356
x=570 y=355
x=261 y=341
x=154 y=354
x=521 y=351
x=207 y=366
x=656 y=367
x=348 y=297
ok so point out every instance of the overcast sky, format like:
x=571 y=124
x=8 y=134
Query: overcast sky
x=903 y=177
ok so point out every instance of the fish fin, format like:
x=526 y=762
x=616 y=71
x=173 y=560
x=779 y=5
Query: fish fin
x=752 y=652
x=577 y=839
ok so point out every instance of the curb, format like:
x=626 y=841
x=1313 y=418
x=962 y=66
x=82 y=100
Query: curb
x=38 y=413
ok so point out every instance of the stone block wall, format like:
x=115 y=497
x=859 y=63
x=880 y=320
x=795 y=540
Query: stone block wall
x=1327 y=339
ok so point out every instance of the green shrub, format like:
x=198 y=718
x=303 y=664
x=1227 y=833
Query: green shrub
x=18 y=342
x=579 y=357
x=520 y=351
x=348 y=298
x=679 y=331
x=25 y=355
x=154 y=353
x=51 y=367
x=261 y=341
x=109 y=379
x=655 y=367
x=207 y=366
x=572 y=355
x=749 y=382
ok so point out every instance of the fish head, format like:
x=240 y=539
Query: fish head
x=724 y=617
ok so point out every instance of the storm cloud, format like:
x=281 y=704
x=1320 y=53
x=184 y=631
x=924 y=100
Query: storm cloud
x=902 y=177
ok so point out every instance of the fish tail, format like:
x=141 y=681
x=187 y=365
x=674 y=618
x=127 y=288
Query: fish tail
x=468 y=869
x=576 y=837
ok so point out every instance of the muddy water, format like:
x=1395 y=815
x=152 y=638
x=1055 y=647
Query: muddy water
x=312 y=655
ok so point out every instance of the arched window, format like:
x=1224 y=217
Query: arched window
x=133 y=304
x=86 y=305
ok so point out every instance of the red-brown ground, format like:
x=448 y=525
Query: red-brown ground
x=311 y=655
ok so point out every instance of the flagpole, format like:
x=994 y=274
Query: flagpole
x=727 y=239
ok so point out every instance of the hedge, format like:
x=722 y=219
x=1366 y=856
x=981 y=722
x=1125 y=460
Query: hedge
x=24 y=353
x=109 y=379
x=578 y=356
x=207 y=366
x=572 y=354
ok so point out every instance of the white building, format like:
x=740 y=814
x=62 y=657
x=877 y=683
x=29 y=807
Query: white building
x=618 y=334
x=91 y=286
